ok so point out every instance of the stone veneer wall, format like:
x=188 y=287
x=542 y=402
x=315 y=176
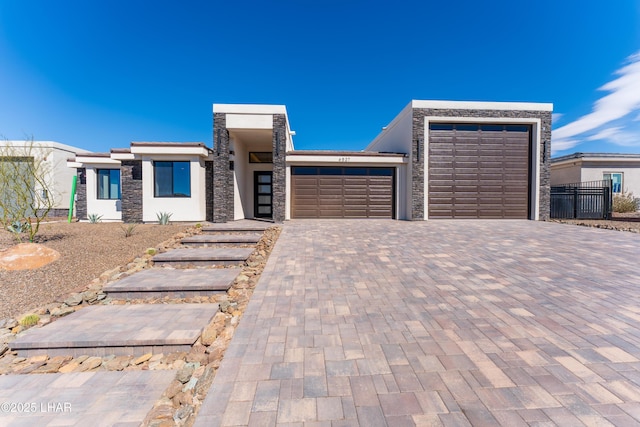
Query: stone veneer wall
x=81 y=194
x=279 y=183
x=131 y=181
x=222 y=177
x=208 y=170
x=417 y=179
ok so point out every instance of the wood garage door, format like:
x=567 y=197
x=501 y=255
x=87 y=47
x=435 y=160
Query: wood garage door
x=342 y=192
x=479 y=171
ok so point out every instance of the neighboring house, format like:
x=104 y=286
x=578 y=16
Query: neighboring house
x=436 y=159
x=58 y=175
x=622 y=169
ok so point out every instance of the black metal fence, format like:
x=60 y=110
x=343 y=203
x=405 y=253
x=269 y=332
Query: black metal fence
x=582 y=200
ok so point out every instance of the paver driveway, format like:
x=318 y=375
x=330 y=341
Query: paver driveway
x=376 y=322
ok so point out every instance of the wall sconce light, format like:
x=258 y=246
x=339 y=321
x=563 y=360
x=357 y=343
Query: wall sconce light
x=418 y=144
x=277 y=143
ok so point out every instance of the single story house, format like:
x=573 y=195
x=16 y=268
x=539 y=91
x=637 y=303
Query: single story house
x=622 y=169
x=436 y=159
x=52 y=158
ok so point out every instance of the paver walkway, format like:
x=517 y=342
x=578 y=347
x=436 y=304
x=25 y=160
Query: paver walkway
x=160 y=282
x=81 y=399
x=120 y=330
x=450 y=323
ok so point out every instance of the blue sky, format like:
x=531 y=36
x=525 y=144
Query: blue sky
x=99 y=75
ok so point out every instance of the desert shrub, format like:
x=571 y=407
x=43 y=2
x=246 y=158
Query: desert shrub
x=163 y=217
x=94 y=218
x=29 y=320
x=625 y=202
x=128 y=229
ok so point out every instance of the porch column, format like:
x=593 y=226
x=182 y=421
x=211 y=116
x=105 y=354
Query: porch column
x=279 y=181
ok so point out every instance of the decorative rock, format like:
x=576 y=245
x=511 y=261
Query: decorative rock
x=73 y=300
x=90 y=363
x=8 y=323
x=117 y=363
x=61 y=311
x=69 y=367
x=3 y=349
x=16 y=330
x=209 y=334
x=38 y=359
x=204 y=382
x=90 y=296
x=174 y=388
x=224 y=306
x=142 y=359
x=101 y=296
x=190 y=385
x=156 y=357
x=178 y=364
x=183 y=413
x=184 y=374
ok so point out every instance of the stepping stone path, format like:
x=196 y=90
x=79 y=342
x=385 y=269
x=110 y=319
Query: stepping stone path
x=205 y=257
x=81 y=398
x=137 y=330
x=165 y=282
x=221 y=239
x=120 y=330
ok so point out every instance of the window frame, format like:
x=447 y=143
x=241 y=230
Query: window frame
x=99 y=183
x=257 y=157
x=613 y=187
x=172 y=180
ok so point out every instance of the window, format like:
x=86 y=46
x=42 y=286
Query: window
x=172 y=179
x=260 y=157
x=109 y=184
x=616 y=181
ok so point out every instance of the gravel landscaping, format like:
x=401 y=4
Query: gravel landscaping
x=86 y=251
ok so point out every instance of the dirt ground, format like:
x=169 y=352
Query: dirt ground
x=86 y=251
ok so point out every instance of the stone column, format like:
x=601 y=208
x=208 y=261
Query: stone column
x=81 y=194
x=417 y=167
x=279 y=182
x=131 y=178
x=208 y=168
x=222 y=177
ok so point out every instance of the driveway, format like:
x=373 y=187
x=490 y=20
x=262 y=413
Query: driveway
x=379 y=322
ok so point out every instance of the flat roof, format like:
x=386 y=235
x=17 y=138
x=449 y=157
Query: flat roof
x=343 y=153
x=250 y=108
x=168 y=144
x=482 y=105
x=611 y=156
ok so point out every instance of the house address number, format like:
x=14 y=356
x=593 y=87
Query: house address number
x=344 y=159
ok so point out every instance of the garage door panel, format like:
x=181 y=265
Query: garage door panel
x=357 y=193
x=479 y=172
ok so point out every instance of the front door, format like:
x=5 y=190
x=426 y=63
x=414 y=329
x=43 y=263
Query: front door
x=263 y=190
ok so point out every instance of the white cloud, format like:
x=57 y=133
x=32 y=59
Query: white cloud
x=622 y=100
x=619 y=136
x=556 y=117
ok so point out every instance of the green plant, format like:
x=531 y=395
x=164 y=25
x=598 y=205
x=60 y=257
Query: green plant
x=163 y=217
x=625 y=202
x=151 y=251
x=28 y=193
x=198 y=225
x=29 y=320
x=19 y=227
x=94 y=218
x=128 y=229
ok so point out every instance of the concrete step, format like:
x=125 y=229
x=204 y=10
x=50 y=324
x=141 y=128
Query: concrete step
x=202 y=257
x=82 y=398
x=237 y=227
x=166 y=282
x=221 y=239
x=119 y=329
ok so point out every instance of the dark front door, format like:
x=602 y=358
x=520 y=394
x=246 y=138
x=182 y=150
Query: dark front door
x=263 y=190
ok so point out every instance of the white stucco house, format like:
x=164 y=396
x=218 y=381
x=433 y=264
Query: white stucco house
x=436 y=159
x=622 y=169
x=54 y=156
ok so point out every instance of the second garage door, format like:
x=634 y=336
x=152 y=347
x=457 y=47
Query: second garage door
x=479 y=171
x=342 y=192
